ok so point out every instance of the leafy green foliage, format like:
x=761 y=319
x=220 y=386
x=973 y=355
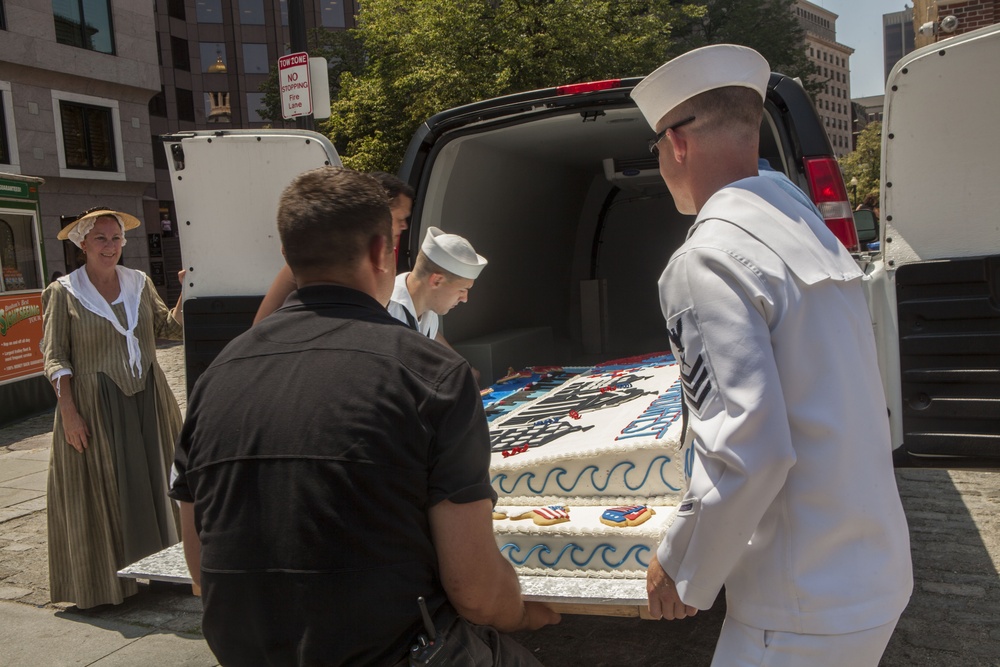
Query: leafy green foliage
x=425 y=57
x=768 y=26
x=410 y=59
x=865 y=162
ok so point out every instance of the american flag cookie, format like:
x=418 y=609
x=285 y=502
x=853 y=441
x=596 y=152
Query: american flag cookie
x=544 y=516
x=631 y=515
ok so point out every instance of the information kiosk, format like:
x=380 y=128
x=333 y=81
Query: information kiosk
x=23 y=388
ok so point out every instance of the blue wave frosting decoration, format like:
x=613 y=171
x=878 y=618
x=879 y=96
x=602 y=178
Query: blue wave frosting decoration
x=556 y=474
x=604 y=551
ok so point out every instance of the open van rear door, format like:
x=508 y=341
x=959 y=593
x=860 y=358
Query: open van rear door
x=941 y=245
x=227 y=186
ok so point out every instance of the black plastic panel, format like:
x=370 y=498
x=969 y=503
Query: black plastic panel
x=949 y=343
x=209 y=324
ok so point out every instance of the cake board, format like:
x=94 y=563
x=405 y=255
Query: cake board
x=624 y=598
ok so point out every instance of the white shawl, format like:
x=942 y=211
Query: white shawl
x=132 y=283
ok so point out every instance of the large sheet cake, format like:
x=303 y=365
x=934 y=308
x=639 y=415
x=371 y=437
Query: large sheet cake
x=575 y=443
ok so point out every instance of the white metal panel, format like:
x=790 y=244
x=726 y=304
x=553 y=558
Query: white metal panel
x=940 y=151
x=226 y=194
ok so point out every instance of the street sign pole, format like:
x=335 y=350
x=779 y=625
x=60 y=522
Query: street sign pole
x=297 y=39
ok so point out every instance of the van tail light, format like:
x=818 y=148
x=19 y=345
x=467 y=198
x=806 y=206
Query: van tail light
x=589 y=87
x=830 y=195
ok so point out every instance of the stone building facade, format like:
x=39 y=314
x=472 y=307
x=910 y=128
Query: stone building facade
x=75 y=84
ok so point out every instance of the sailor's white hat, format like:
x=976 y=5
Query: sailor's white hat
x=696 y=72
x=452 y=253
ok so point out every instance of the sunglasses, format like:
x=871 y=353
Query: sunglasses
x=66 y=219
x=654 y=146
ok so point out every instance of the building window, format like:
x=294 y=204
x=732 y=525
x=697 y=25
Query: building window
x=185 y=104
x=8 y=138
x=252 y=12
x=3 y=18
x=158 y=104
x=208 y=11
x=21 y=266
x=90 y=140
x=175 y=8
x=211 y=52
x=159 y=153
x=84 y=23
x=4 y=149
x=332 y=13
x=254 y=102
x=179 y=51
x=255 y=59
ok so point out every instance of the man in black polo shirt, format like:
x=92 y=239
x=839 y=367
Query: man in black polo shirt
x=333 y=467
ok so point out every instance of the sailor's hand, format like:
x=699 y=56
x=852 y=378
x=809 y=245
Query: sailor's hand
x=664 y=601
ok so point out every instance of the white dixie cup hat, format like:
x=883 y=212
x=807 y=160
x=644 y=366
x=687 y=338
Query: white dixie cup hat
x=696 y=72
x=452 y=253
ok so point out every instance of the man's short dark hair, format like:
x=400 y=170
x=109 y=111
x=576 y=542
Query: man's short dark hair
x=327 y=218
x=393 y=186
x=424 y=267
x=735 y=109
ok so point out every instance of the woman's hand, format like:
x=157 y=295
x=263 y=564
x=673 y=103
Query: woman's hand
x=75 y=429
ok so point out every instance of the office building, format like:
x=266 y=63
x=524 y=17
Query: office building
x=832 y=61
x=897 y=37
x=75 y=82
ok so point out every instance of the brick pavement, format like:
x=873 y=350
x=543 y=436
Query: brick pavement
x=953 y=617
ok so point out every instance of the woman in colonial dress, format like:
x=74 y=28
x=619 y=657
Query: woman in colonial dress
x=117 y=419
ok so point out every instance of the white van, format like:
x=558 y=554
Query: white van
x=558 y=190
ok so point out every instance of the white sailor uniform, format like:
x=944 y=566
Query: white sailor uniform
x=792 y=501
x=401 y=307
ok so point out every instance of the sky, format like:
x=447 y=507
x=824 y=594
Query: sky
x=859 y=26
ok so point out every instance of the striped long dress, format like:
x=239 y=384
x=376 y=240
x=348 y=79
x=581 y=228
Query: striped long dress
x=99 y=518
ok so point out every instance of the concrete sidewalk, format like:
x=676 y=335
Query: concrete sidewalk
x=953 y=617
x=161 y=625
x=33 y=636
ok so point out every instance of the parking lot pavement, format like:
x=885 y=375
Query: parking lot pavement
x=953 y=617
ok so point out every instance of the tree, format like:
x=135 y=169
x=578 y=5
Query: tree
x=865 y=161
x=414 y=58
x=768 y=26
x=426 y=56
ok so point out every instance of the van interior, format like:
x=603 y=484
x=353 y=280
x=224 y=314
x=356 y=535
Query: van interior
x=577 y=225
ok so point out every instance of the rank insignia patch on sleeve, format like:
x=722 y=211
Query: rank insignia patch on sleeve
x=695 y=377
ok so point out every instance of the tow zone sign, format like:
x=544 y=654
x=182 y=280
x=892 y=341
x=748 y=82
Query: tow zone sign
x=293 y=79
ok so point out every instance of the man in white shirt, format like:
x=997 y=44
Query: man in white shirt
x=445 y=270
x=792 y=501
